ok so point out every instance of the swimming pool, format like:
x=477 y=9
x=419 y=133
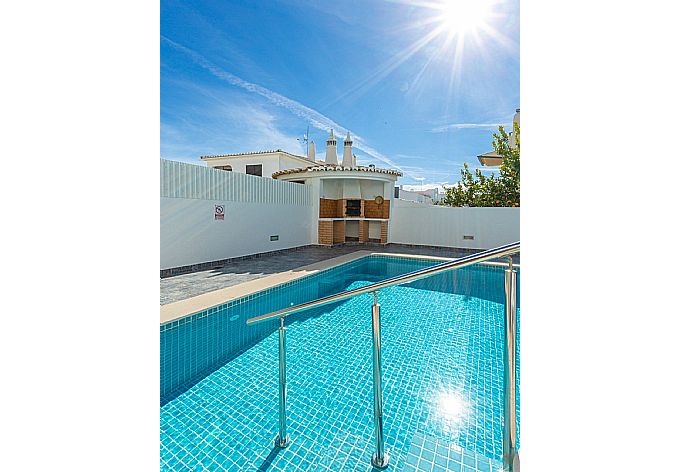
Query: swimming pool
x=442 y=341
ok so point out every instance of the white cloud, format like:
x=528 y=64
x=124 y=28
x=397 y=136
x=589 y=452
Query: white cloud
x=421 y=174
x=315 y=118
x=258 y=130
x=444 y=128
x=253 y=129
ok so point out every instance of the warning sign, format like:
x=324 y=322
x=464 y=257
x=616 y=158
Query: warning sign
x=220 y=212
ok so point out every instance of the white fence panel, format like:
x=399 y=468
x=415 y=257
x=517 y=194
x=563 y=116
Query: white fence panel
x=256 y=208
x=435 y=225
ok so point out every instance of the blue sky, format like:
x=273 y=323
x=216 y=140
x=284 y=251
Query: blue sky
x=246 y=76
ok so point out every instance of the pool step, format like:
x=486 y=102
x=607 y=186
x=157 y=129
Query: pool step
x=349 y=453
x=431 y=454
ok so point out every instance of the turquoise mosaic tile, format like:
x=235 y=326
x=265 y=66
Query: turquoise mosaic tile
x=442 y=371
x=194 y=346
x=427 y=453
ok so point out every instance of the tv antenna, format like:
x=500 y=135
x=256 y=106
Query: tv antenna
x=305 y=140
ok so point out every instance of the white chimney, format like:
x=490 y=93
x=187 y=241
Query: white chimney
x=347 y=152
x=331 y=153
x=312 y=152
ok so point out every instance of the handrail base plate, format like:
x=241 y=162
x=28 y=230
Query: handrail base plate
x=380 y=465
x=282 y=444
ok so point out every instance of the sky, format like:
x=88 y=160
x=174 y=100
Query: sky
x=419 y=84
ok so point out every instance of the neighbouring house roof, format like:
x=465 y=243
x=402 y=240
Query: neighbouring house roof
x=490 y=154
x=257 y=153
x=333 y=167
x=491 y=158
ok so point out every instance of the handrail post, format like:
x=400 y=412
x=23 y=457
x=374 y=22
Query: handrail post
x=380 y=459
x=282 y=440
x=511 y=459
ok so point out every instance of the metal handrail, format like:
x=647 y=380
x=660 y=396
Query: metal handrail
x=380 y=459
x=465 y=261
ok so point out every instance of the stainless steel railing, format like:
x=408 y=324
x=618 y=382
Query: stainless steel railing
x=511 y=460
x=495 y=253
x=380 y=459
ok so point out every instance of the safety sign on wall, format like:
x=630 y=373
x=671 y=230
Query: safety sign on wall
x=220 y=212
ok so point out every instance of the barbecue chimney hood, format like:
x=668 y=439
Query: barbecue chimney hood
x=352 y=189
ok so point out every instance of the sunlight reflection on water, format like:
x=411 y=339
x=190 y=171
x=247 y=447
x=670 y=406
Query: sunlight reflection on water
x=450 y=411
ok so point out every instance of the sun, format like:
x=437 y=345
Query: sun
x=462 y=17
x=443 y=32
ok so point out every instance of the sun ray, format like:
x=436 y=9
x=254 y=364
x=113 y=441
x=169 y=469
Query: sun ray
x=456 y=25
x=456 y=71
x=388 y=67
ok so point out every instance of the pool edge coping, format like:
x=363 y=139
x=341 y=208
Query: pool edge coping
x=189 y=306
x=436 y=258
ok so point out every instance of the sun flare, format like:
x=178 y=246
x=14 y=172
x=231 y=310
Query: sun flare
x=443 y=33
x=460 y=17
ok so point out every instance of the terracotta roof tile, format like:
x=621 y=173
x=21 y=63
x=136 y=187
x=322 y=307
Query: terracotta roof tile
x=333 y=167
x=255 y=153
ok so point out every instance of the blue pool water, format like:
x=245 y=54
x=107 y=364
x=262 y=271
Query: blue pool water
x=442 y=343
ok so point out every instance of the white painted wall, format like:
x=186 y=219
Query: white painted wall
x=315 y=188
x=191 y=235
x=353 y=187
x=269 y=164
x=375 y=230
x=331 y=188
x=289 y=162
x=426 y=225
x=372 y=189
x=352 y=229
x=255 y=209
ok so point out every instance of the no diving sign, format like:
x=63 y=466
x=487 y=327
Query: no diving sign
x=219 y=212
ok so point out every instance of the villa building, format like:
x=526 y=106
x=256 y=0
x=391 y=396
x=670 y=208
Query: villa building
x=412 y=196
x=492 y=158
x=429 y=196
x=350 y=202
x=262 y=163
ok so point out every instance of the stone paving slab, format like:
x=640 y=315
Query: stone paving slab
x=198 y=303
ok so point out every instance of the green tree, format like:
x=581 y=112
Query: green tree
x=478 y=190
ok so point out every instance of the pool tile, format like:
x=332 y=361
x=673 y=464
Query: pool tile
x=442 y=380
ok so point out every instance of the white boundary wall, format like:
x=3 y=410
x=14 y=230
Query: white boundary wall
x=433 y=225
x=255 y=209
